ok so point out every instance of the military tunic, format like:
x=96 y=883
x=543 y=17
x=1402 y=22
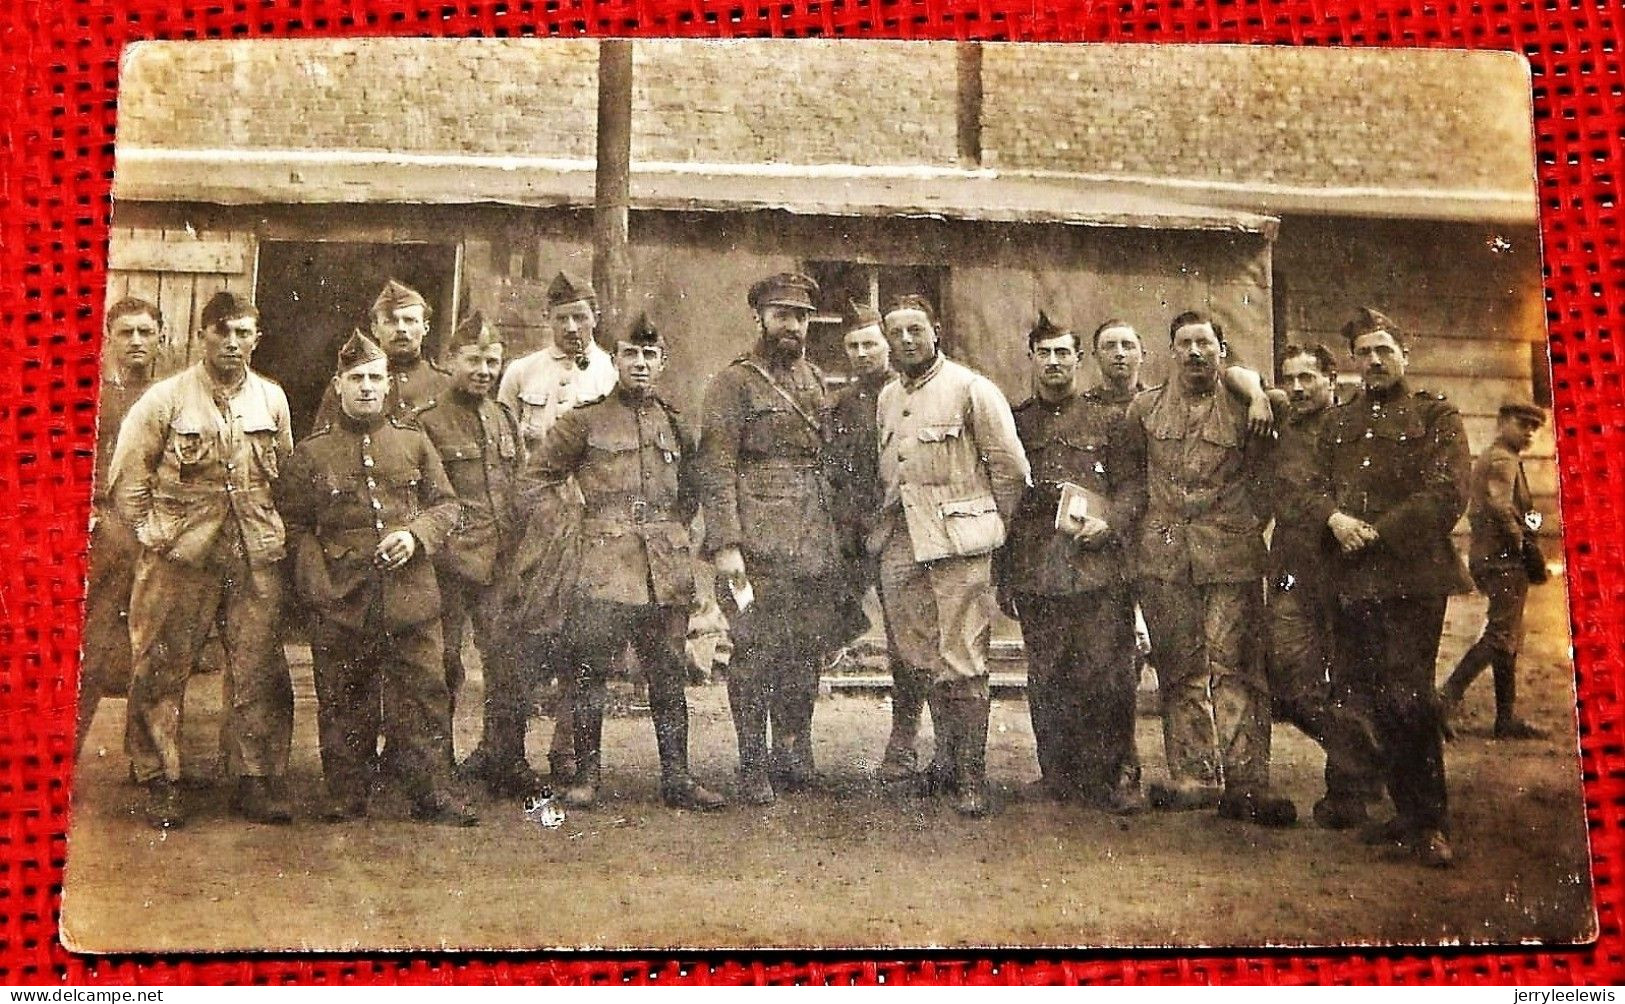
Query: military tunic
x=633 y=463
x=1201 y=484
x=1077 y=618
x=1307 y=684
x=413 y=388
x=545 y=384
x=479 y=447
x=192 y=477
x=1398 y=460
x=377 y=642
x=764 y=490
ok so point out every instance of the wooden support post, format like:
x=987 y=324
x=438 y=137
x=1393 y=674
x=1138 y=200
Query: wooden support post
x=611 y=260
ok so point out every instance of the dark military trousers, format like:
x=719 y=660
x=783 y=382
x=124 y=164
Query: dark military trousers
x=1507 y=587
x=172 y=607
x=595 y=638
x=1210 y=672
x=378 y=681
x=1310 y=689
x=1082 y=674
x=1388 y=648
x=780 y=645
x=105 y=666
x=505 y=708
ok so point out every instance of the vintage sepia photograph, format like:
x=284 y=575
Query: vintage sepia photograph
x=603 y=495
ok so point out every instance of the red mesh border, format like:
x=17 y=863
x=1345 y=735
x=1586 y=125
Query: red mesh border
x=58 y=71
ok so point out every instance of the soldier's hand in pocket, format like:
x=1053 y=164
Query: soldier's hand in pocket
x=395 y=550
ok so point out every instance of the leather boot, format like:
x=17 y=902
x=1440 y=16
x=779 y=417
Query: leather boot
x=260 y=800
x=970 y=756
x=162 y=808
x=1507 y=723
x=938 y=776
x=746 y=703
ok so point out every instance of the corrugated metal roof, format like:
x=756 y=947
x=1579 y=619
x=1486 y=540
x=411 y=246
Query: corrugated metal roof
x=244 y=178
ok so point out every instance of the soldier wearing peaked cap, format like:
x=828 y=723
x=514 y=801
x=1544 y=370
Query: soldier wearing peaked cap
x=632 y=462
x=1066 y=581
x=1389 y=483
x=368 y=507
x=479 y=446
x=770 y=531
x=192 y=477
x=537 y=389
x=1505 y=559
x=400 y=323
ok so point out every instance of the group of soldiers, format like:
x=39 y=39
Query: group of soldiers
x=549 y=503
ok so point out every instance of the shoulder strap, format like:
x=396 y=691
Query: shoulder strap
x=812 y=423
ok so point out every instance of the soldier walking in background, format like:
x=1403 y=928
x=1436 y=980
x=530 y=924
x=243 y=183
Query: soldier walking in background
x=633 y=464
x=537 y=389
x=1504 y=561
x=1306 y=683
x=400 y=323
x=770 y=532
x=1063 y=576
x=1391 y=470
x=1200 y=565
x=952 y=472
x=368 y=507
x=133 y=330
x=479 y=448
x=855 y=478
x=192 y=478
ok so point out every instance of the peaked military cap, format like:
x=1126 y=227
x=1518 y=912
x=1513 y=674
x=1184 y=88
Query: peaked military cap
x=227 y=306
x=859 y=315
x=396 y=295
x=474 y=330
x=1046 y=328
x=567 y=288
x=1368 y=320
x=643 y=332
x=786 y=289
x=1522 y=409
x=358 y=350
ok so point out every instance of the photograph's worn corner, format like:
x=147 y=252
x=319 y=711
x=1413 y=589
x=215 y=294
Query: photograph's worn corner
x=1042 y=502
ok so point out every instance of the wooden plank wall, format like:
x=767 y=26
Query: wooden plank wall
x=178 y=269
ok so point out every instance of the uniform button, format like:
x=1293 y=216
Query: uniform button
x=378 y=525
x=377 y=504
x=1369 y=433
x=231 y=467
x=366 y=439
x=371 y=483
x=905 y=413
x=1365 y=462
x=366 y=461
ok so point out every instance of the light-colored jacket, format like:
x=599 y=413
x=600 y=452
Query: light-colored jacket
x=951 y=459
x=183 y=471
x=540 y=387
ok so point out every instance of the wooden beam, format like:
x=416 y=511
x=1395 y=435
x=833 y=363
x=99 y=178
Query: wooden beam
x=158 y=255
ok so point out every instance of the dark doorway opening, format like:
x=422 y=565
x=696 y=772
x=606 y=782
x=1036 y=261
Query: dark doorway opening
x=312 y=294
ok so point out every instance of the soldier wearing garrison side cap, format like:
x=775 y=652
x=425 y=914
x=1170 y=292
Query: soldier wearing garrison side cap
x=1390 y=481
x=479 y=446
x=769 y=526
x=192 y=477
x=400 y=324
x=368 y=507
x=1068 y=586
x=632 y=460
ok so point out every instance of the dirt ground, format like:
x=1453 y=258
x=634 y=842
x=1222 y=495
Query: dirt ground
x=845 y=865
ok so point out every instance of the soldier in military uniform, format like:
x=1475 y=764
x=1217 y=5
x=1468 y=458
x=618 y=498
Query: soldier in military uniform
x=400 y=323
x=1504 y=522
x=855 y=479
x=1391 y=471
x=537 y=389
x=1069 y=586
x=192 y=477
x=479 y=447
x=770 y=531
x=1202 y=480
x=633 y=464
x=134 y=330
x=368 y=506
x=1306 y=683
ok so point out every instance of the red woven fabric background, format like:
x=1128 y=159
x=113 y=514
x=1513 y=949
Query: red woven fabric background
x=58 y=76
